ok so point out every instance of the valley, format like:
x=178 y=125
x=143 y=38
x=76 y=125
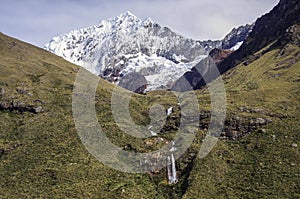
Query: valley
x=44 y=146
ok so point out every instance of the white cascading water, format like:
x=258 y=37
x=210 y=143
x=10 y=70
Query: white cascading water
x=171 y=167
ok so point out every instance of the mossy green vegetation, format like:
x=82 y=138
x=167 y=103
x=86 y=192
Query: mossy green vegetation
x=41 y=154
x=263 y=164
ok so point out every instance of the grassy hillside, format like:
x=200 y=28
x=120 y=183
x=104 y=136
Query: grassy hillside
x=41 y=155
x=264 y=164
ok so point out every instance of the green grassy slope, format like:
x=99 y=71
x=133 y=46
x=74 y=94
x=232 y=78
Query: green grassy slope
x=42 y=156
x=264 y=164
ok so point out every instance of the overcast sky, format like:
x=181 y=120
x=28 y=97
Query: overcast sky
x=37 y=21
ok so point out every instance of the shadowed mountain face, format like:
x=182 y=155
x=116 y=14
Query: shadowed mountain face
x=269 y=28
x=134 y=82
x=276 y=28
x=219 y=55
x=231 y=41
x=126 y=44
x=203 y=73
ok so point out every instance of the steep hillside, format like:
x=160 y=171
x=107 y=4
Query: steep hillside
x=257 y=156
x=275 y=30
x=267 y=29
x=41 y=154
x=265 y=163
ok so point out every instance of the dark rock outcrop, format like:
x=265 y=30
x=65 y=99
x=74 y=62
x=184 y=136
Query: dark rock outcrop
x=235 y=36
x=203 y=73
x=280 y=27
x=134 y=82
x=219 y=55
x=237 y=127
x=267 y=29
x=21 y=107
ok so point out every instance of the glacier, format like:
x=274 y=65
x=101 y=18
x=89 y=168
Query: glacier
x=125 y=44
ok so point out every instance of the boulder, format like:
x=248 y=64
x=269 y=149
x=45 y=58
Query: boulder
x=38 y=109
x=294 y=145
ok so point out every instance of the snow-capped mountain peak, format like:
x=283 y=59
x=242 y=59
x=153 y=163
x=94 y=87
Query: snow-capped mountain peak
x=125 y=44
x=126 y=14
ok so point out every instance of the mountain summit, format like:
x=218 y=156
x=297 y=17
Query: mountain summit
x=126 y=44
x=138 y=54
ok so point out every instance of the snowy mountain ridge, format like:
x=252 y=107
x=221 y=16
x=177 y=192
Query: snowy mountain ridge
x=125 y=44
x=232 y=40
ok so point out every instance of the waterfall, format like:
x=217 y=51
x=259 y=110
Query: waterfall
x=171 y=167
x=169 y=111
x=174 y=174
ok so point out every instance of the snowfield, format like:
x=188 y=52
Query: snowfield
x=125 y=44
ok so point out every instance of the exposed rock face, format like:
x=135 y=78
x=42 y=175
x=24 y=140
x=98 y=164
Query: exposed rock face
x=291 y=36
x=267 y=29
x=238 y=127
x=235 y=126
x=124 y=44
x=19 y=107
x=14 y=101
x=219 y=55
x=232 y=39
x=134 y=82
x=203 y=73
x=281 y=26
